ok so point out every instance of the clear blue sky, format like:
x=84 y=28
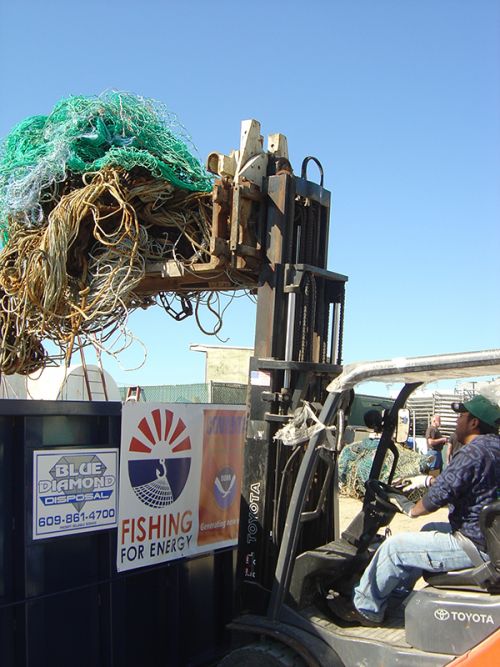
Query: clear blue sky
x=399 y=99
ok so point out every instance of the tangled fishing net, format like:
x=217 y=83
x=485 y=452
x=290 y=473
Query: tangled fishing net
x=88 y=195
x=355 y=462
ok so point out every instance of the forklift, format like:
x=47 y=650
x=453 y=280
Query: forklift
x=289 y=615
x=290 y=552
x=269 y=234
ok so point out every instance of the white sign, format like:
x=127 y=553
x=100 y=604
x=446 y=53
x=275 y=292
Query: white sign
x=74 y=491
x=180 y=481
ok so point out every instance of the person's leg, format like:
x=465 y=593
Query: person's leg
x=400 y=561
x=404 y=590
x=436 y=462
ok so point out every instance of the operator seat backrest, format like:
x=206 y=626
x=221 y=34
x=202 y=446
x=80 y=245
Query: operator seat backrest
x=489 y=521
x=479 y=577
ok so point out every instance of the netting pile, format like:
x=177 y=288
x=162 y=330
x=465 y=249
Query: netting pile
x=88 y=195
x=355 y=462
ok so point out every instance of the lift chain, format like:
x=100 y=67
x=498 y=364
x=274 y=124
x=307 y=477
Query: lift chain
x=185 y=311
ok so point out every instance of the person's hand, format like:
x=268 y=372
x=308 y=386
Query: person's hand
x=403 y=504
x=412 y=483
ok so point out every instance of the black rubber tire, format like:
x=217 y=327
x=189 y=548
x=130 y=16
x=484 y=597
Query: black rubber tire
x=263 y=654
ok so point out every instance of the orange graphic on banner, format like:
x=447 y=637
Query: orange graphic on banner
x=220 y=487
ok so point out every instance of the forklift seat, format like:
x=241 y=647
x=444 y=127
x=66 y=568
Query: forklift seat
x=482 y=577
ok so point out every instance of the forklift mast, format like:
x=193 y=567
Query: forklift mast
x=269 y=234
x=298 y=349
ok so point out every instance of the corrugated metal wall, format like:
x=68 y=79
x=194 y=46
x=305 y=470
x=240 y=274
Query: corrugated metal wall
x=424 y=407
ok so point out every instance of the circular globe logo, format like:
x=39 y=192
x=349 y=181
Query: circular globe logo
x=159 y=476
x=225 y=487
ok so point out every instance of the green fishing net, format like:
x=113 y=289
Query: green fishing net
x=89 y=195
x=355 y=463
x=85 y=134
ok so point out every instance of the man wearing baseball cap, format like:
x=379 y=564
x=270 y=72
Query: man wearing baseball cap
x=468 y=483
x=481 y=408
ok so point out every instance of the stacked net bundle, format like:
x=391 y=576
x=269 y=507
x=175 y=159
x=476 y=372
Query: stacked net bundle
x=85 y=134
x=88 y=195
x=355 y=462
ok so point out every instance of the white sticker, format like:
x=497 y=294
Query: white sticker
x=260 y=378
x=74 y=491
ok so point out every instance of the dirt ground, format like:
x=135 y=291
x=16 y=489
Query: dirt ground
x=349 y=507
x=401 y=523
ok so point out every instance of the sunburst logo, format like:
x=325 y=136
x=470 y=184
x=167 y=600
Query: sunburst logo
x=159 y=473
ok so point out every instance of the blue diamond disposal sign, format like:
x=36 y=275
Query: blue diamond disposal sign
x=75 y=491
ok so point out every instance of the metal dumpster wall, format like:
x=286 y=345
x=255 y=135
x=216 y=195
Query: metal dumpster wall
x=61 y=600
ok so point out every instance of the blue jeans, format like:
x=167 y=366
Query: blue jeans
x=437 y=461
x=400 y=561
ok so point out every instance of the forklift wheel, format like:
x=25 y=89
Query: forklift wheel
x=263 y=654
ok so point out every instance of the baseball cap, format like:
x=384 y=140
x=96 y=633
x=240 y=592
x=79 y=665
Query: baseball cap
x=480 y=407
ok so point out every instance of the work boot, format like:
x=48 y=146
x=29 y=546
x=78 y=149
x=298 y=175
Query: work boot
x=344 y=609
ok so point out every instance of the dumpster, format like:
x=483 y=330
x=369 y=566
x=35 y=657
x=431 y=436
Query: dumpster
x=62 y=600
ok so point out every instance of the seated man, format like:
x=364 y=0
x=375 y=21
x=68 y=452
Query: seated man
x=468 y=484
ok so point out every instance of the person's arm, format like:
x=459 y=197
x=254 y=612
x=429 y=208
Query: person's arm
x=436 y=441
x=419 y=510
x=448 y=452
x=431 y=440
x=451 y=484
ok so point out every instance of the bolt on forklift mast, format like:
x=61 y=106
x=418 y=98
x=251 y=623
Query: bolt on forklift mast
x=298 y=349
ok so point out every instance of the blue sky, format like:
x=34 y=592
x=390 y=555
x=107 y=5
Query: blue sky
x=399 y=99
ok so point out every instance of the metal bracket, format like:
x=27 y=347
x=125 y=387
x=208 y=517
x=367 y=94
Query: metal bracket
x=249 y=163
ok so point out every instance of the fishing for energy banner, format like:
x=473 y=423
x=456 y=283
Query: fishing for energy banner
x=180 y=481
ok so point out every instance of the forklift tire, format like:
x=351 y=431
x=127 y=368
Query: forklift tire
x=263 y=654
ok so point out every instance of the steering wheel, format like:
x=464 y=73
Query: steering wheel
x=389 y=496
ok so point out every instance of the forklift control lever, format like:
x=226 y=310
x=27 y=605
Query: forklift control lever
x=389 y=496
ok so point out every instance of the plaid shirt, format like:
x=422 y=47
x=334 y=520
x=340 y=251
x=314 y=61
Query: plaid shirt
x=470 y=482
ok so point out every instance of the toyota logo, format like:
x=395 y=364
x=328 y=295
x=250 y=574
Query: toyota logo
x=441 y=614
